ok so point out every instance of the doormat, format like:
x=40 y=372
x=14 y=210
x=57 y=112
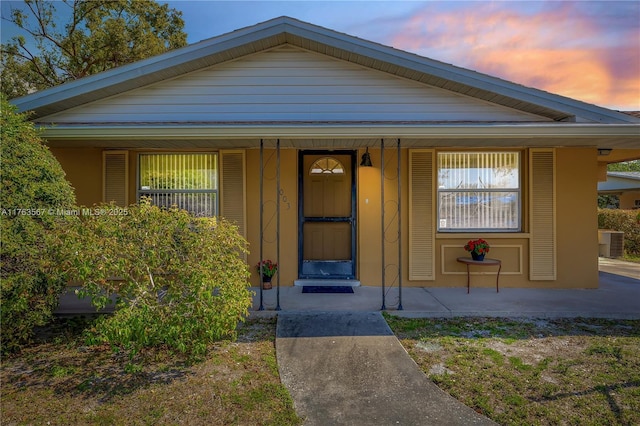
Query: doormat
x=327 y=289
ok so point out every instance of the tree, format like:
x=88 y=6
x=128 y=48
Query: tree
x=99 y=35
x=34 y=190
x=627 y=166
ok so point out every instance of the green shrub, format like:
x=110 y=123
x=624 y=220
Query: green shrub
x=627 y=221
x=180 y=280
x=33 y=184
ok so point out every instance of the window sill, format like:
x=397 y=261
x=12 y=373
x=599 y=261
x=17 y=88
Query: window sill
x=483 y=234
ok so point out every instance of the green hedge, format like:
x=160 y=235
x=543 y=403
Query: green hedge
x=627 y=221
x=182 y=280
x=33 y=186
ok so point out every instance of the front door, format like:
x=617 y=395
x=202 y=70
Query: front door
x=327 y=207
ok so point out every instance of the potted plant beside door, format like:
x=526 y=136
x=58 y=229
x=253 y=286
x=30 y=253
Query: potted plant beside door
x=267 y=269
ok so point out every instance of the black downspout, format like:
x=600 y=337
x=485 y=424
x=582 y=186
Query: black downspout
x=382 y=219
x=399 y=233
x=261 y=308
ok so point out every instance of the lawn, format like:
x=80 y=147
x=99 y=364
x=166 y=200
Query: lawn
x=546 y=372
x=543 y=372
x=60 y=381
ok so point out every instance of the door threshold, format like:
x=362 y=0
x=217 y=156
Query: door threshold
x=319 y=282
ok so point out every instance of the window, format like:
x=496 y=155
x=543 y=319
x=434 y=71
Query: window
x=478 y=191
x=327 y=165
x=188 y=181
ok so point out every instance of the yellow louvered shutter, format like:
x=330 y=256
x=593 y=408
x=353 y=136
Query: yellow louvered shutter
x=115 y=165
x=232 y=193
x=421 y=216
x=542 y=246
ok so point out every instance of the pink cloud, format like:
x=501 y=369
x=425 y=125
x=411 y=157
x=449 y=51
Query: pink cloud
x=561 y=49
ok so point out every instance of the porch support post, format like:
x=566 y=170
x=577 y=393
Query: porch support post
x=382 y=220
x=278 y=222
x=399 y=233
x=261 y=308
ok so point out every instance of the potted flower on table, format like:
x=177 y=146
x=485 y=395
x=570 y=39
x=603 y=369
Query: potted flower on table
x=478 y=248
x=267 y=269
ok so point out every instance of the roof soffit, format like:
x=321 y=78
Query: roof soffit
x=284 y=30
x=616 y=137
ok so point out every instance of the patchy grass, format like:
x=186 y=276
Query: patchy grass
x=570 y=371
x=580 y=371
x=58 y=381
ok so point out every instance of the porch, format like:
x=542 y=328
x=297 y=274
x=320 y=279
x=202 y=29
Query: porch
x=616 y=297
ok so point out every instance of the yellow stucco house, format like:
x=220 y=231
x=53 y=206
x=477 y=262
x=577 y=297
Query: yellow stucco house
x=346 y=160
x=626 y=185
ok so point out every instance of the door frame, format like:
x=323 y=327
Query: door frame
x=351 y=272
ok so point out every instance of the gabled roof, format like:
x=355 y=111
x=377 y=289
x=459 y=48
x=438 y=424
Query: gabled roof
x=626 y=175
x=620 y=181
x=285 y=30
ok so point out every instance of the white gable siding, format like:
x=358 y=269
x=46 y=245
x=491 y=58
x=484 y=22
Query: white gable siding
x=288 y=84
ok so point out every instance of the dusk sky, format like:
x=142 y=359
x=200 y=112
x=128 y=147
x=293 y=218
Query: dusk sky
x=587 y=50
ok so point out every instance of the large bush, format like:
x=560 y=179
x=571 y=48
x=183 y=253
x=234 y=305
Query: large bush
x=33 y=190
x=180 y=281
x=627 y=221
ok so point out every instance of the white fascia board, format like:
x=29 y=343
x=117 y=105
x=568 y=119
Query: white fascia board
x=582 y=131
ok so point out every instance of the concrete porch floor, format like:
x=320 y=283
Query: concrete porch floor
x=617 y=297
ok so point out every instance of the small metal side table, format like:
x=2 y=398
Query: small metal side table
x=486 y=262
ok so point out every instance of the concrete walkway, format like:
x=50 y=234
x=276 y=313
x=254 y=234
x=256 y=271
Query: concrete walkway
x=347 y=368
x=343 y=365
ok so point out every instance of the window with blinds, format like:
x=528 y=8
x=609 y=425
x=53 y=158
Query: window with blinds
x=188 y=181
x=479 y=191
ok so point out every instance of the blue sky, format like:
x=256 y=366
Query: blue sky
x=587 y=50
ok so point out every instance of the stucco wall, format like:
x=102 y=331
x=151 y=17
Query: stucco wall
x=576 y=221
x=628 y=200
x=576 y=230
x=83 y=167
x=369 y=266
x=288 y=264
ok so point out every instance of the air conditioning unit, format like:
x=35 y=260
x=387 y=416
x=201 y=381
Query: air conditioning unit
x=610 y=243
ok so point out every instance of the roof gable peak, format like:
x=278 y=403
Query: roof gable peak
x=286 y=30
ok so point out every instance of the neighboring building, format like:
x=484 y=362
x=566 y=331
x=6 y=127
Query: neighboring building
x=626 y=185
x=290 y=109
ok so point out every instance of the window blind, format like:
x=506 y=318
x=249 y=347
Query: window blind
x=187 y=181
x=479 y=191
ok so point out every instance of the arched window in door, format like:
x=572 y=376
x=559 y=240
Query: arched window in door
x=326 y=166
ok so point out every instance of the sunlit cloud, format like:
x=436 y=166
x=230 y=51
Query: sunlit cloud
x=589 y=55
